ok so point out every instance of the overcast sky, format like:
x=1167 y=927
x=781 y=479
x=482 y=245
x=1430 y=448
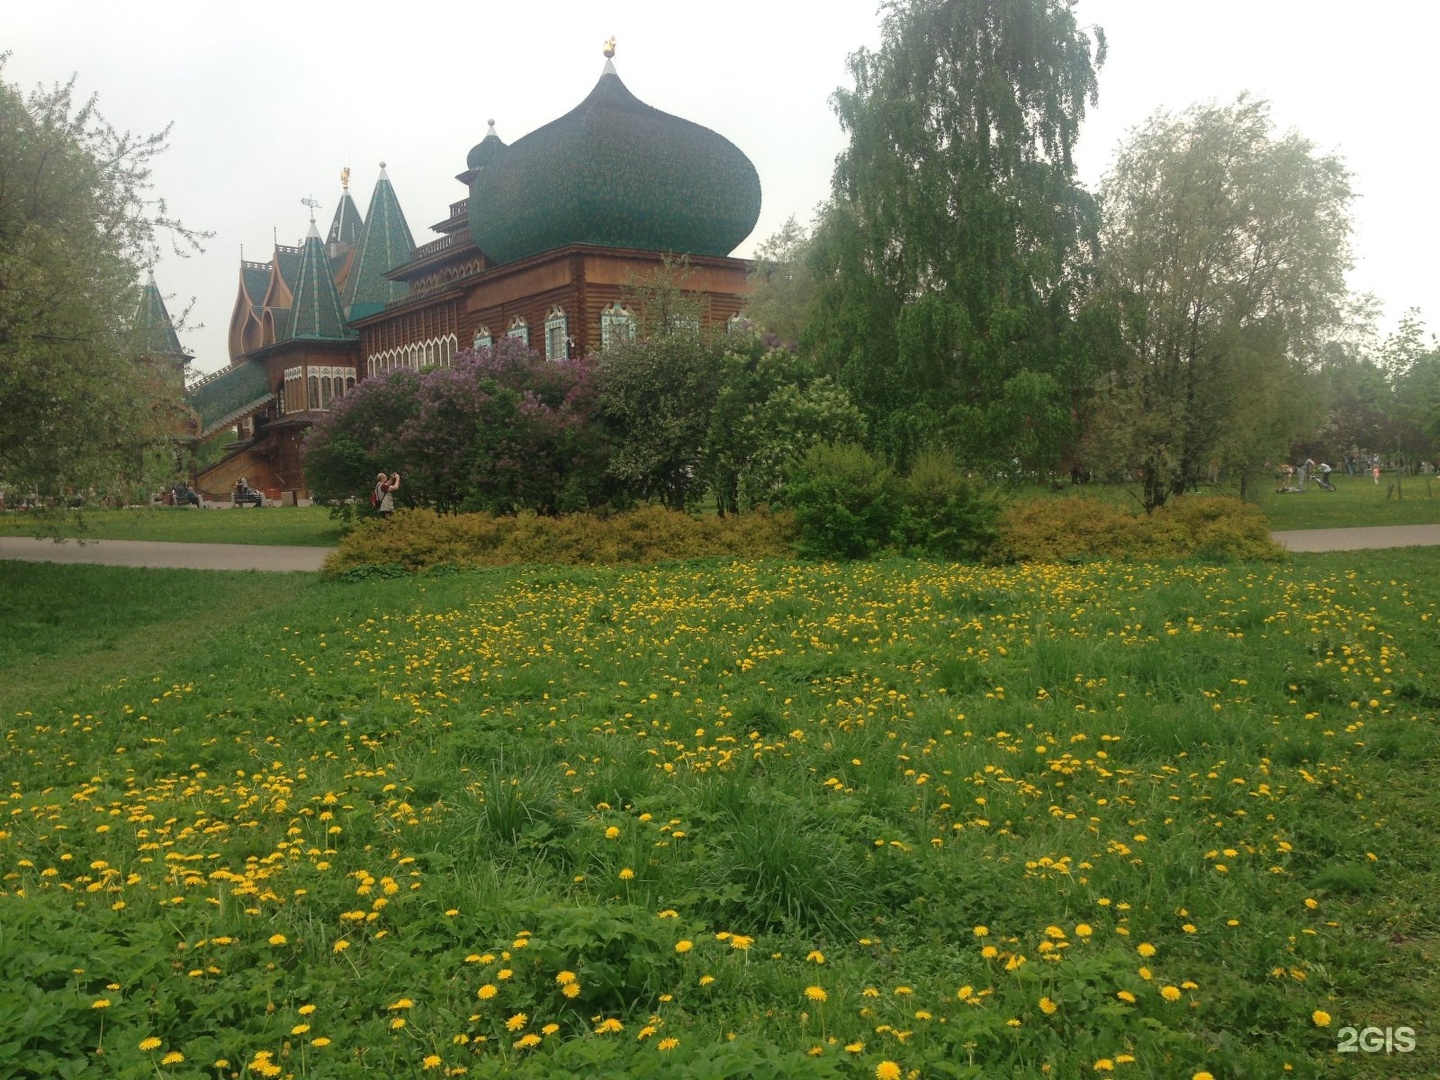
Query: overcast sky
x=269 y=100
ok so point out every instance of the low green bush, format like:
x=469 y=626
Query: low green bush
x=1079 y=530
x=420 y=539
x=846 y=501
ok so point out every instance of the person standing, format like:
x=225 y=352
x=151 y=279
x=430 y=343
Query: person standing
x=383 y=499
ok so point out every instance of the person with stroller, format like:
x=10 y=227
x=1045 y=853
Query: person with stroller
x=1322 y=476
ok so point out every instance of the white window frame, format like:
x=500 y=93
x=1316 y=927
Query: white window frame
x=557 y=327
x=519 y=328
x=483 y=338
x=617 y=326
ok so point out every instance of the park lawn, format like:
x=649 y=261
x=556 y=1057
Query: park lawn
x=725 y=819
x=1356 y=501
x=303 y=526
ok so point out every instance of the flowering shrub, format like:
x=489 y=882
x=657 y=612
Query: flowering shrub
x=500 y=430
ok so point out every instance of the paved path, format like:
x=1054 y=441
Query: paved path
x=163 y=554
x=261 y=557
x=1377 y=536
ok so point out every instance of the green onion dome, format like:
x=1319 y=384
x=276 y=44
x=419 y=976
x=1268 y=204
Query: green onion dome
x=613 y=172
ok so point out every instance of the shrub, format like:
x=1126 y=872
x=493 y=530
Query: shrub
x=845 y=501
x=944 y=515
x=420 y=539
x=1077 y=529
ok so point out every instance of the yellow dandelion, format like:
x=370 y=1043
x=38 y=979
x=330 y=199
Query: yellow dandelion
x=667 y=1044
x=1126 y=996
x=609 y=1027
x=627 y=874
x=305 y=1010
x=277 y=939
x=151 y=1043
x=1104 y=1065
x=684 y=946
x=887 y=1070
x=516 y=1022
x=816 y=993
x=1084 y=930
x=100 y=1003
x=321 y=1041
x=1145 y=949
x=612 y=833
x=549 y=1029
x=430 y=1061
x=571 y=990
x=403 y=1003
x=174 y=1057
x=705 y=980
x=1170 y=993
x=340 y=946
x=486 y=992
x=527 y=1042
x=564 y=978
x=815 y=956
x=1321 y=1018
x=299 y=1029
x=1048 y=1007
x=397 y=1023
x=856 y=1047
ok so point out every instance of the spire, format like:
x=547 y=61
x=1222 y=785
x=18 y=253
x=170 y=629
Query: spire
x=385 y=242
x=153 y=332
x=315 y=313
x=609 y=68
x=345 y=225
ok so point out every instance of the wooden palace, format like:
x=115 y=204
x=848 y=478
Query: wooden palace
x=553 y=229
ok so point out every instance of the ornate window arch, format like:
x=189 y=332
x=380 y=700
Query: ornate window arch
x=557 y=327
x=617 y=326
x=483 y=338
x=519 y=328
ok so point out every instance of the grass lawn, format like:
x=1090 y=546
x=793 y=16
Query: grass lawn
x=722 y=820
x=305 y=526
x=1356 y=501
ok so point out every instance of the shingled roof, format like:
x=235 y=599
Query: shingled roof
x=345 y=225
x=153 y=334
x=315 y=313
x=385 y=243
x=614 y=172
x=224 y=398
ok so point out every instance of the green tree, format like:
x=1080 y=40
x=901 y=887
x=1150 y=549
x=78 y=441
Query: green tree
x=956 y=244
x=1225 y=248
x=782 y=284
x=770 y=409
x=78 y=222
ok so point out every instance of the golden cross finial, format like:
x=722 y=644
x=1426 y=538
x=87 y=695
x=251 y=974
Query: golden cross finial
x=345 y=178
x=610 y=47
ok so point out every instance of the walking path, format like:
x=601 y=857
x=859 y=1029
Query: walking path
x=1377 y=536
x=156 y=553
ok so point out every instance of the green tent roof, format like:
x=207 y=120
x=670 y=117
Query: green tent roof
x=345 y=225
x=617 y=173
x=315 y=313
x=152 y=331
x=385 y=242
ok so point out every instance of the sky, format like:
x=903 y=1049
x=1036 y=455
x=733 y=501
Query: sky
x=269 y=100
